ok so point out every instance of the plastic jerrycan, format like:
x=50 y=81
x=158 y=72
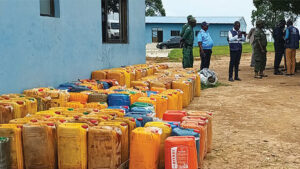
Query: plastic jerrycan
x=158 y=89
x=202 y=129
x=185 y=87
x=117 y=99
x=72 y=146
x=209 y=116
x=166 y=132
x=104 y=147
x=198 y=85
x=118 y=75
x=78 y=97
x=6 y=113
x=4 y=152
x=174 y=115
x=148 y=100
x=162 y=104
x=124 y=137
x=180 y=152
x=144 y=149
x=172 y=100
x=13 y=132
x=179 y=93
x=131 y=125
x=39 y=145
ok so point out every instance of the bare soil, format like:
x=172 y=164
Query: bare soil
x=256 y=122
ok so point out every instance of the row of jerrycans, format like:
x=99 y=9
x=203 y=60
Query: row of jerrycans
x=69 y=145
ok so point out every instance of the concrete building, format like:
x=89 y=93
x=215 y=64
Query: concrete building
x=48 y=42
x=160 y=29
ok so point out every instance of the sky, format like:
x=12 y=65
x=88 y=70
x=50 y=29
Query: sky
x=210 y=8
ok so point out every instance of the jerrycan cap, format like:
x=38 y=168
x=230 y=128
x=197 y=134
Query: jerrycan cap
x=33 y=120
x=196 y=131
x=96 y=110
x=47 y=116
x=133 y=120
x=123 y=124
x=40 y=90
x=105 y=118
x=85 y=113
x=202 y=123
x=62 y=120
x=50 y=124
x=140 y=119
x=126 y=107
x=168 y=125
x=57 y=112
x=94 y=121
x=19 y=126
x=76 y=117
x=70 y=109
x=85 y=126
x=20 y=102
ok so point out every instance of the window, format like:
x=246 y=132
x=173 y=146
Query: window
x=175 y=33
x=224 y=33
x=47 y=8
x=196 y=33
x=114 y=21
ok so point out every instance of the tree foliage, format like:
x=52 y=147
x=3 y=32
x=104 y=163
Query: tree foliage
x=155 y=8
x=272 y=11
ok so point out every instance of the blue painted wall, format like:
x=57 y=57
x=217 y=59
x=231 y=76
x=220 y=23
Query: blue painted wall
x=41 y=51
x=214 y=30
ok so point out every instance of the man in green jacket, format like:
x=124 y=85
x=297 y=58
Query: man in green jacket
x=260 y=50
x=188 y=43
x=185 y=26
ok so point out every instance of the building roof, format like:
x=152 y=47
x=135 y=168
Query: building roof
x=181 y=20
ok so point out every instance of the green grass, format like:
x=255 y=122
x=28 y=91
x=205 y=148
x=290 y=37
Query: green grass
x=203 y=87
x=176 y=54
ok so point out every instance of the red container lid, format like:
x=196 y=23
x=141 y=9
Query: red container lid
x=152 y=98
x=57 y=112
x=105 y=118
x=20 y=126
x=33 y=120
x=126 y=107
x=85 y=126
x=96 y=110
x=123 y=124
x=140 y=119
x=47 y=116
x=168 y=125
x=197 y=131
x=202 y=123
x=76 y=117
x=40 y=90
x=133 y=120
x=50 y=124
x=62 y=121
x=20 y=102
x=94 y=121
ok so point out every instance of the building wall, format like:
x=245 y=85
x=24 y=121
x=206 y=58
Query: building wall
x=43 y=51
x=214 y=30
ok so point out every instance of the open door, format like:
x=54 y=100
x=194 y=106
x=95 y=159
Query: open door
x=157 y=35
x=160 y=35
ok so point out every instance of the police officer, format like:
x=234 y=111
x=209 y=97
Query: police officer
x=260 y=50
x=279 y=45
x=236 y=39
x=292 y=43
x=188 y=42
x=185 y=26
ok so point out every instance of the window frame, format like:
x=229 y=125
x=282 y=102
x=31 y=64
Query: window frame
x=225 y=33
x=123 y=21
x=52 y=9
x=176 y=32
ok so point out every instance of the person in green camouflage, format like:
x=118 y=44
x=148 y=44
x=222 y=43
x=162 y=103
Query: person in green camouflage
x=260 y=50
x=188 y=43
x=185 y=26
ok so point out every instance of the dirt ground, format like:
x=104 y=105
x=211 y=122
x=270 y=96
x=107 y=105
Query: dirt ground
x=256 y=122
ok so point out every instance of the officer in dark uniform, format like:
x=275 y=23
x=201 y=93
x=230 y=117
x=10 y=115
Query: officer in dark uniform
x=185 y=26
x=188 y=43
x=279 y=45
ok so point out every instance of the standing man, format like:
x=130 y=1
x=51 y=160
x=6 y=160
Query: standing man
x=206 y=44
x=251 y=39
x=236 y=39
x=292 y=43
x=188 y=43
x=185 y=26
x=260 y=50
x=279 y=45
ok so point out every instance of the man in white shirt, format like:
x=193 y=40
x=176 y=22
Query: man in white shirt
x=236 y=39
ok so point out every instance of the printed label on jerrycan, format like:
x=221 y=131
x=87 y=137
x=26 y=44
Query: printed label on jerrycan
x=179 y=157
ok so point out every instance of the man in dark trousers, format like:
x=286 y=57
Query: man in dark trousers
x=205 y=44
x=188 y=43
x=279 y=45
x=185 y=26
x=236 y=39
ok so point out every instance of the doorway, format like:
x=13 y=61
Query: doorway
x=157 y=35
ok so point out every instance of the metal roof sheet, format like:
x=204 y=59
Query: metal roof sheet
x=210 y=20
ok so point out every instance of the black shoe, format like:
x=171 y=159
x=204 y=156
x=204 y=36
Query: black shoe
x=231 y=79
x=237 y=79
x=278 y=73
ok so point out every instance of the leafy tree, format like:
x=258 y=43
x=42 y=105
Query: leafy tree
x=155 y=8
x=287 y=5
x=269 y=12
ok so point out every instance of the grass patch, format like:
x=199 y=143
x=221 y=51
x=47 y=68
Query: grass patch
x=203 y=87
x=176 y=54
